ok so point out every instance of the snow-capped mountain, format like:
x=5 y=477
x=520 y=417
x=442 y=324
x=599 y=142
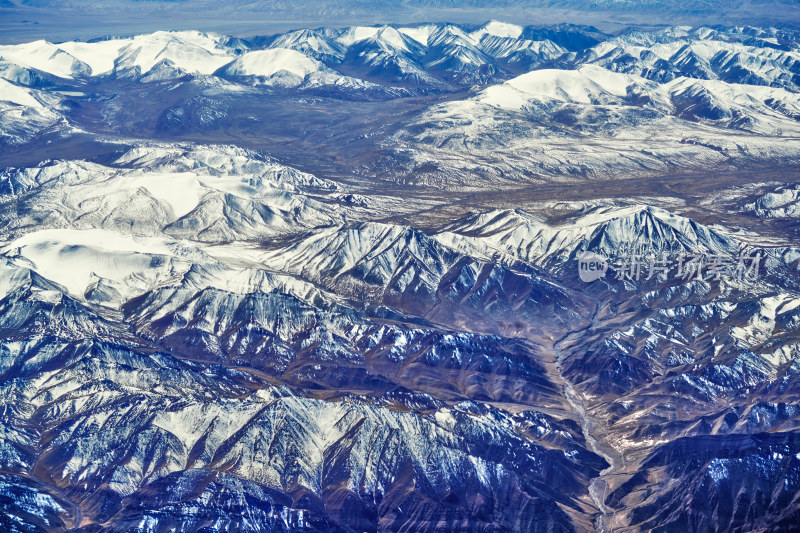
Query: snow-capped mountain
x=283 y=67
x=265 y=63
x=781 y=203
x=26 y=113
x=519 y=236
x=732 y=55
x=739 y=106
x=190 y=52
x=429 y=55
x=408 y=337
x=334 y=279
x=215 y=195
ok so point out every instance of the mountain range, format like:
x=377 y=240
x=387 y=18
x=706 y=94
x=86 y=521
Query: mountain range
x=329 y=280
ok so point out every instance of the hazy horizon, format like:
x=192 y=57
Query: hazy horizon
x=64 y=20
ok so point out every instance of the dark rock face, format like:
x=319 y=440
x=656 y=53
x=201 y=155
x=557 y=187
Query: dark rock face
x=718 y=483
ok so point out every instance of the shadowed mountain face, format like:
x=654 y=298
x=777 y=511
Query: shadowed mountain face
x=430 y=277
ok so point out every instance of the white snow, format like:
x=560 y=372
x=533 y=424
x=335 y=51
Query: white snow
x=41 y=55
x=355 y=34
x=100 y=56
x=271 y=61
x=392 y=37
x=497 y=29
x=579 y=86
x=189 y=51
x=421 y=34
x=17 y=95
x=181 y=191
x=73 y=258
